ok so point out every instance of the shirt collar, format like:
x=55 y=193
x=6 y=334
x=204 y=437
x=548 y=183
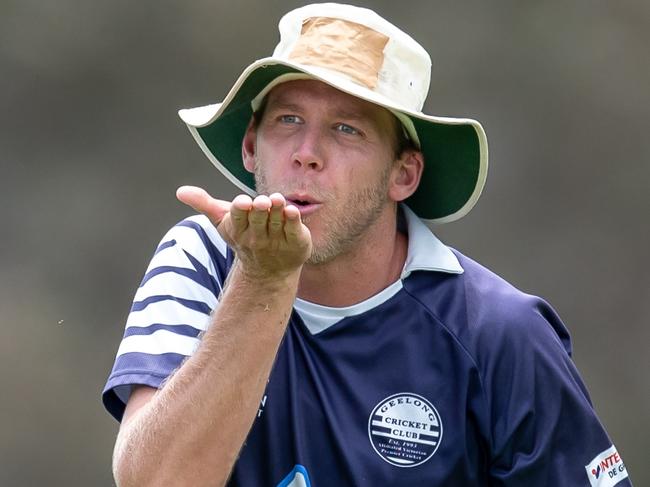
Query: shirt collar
x=425 y=251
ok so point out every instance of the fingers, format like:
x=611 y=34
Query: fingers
x=293 y=225
x=239 y=210
x=258 y=217
x=263 y=217
x=276 y=215
x=201 y=201
x=267 y=235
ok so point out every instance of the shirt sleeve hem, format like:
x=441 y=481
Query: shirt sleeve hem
x=118 y=389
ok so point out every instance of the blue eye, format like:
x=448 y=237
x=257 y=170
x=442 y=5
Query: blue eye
x=290 y=119
x=346 y=129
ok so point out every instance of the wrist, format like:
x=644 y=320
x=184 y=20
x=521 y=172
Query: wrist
x=268 y=281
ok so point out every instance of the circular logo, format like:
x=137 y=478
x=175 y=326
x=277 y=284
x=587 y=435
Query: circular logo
x=405 y=429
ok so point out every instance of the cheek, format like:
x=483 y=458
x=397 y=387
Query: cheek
x=266 y=164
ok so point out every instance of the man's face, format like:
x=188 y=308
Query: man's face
x=331 y=155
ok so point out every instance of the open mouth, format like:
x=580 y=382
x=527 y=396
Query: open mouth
x=304 y=203
x=301 y=199
x=300 y=202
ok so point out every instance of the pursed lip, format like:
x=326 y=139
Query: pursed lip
x=304 y=202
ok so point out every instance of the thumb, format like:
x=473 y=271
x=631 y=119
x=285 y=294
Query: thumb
x=201 y=201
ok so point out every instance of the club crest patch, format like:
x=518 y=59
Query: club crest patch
x=405 y=429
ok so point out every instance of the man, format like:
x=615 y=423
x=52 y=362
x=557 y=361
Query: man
x=313 y=331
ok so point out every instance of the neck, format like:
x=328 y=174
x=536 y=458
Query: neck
x=375 y=262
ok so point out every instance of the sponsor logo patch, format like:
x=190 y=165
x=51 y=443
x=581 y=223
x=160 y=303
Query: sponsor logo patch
x=405 y=429
x=606 y=469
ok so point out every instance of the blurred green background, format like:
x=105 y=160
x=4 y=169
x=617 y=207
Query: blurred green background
x=91 y=152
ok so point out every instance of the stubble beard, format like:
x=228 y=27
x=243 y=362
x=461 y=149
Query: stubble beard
x=343 y=221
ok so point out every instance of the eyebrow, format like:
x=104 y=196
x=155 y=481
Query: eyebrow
x=283 y=104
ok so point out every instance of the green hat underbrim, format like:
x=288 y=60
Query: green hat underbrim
x=454 y=150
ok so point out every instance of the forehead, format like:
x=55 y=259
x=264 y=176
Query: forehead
x=308 y=94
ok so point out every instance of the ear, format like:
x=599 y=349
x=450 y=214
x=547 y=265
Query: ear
x=406 y=175
x=249 y=146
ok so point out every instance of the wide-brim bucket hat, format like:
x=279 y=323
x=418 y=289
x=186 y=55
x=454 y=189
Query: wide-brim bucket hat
x=358 y=52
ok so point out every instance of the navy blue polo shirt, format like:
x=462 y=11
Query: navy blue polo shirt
x=448 y=377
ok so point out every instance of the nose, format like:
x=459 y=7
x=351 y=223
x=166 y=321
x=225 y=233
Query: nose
x=308 y=153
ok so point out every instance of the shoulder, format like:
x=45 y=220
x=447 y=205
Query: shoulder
x=194 y=232
x=486 y=313
x=192 y=243
x=502 y=311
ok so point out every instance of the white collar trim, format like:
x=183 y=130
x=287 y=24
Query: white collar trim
x=425 y=251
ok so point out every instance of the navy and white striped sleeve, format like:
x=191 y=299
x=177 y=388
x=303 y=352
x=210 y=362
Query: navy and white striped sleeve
x=170 y=309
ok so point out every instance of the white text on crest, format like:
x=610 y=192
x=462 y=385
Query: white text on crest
x=407 y=423
x=405 y=400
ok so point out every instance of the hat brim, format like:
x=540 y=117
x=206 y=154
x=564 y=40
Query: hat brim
x=455 y=149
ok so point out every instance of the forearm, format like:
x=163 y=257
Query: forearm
x=192 y=430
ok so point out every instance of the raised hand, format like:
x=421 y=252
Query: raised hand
x=267 y=235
